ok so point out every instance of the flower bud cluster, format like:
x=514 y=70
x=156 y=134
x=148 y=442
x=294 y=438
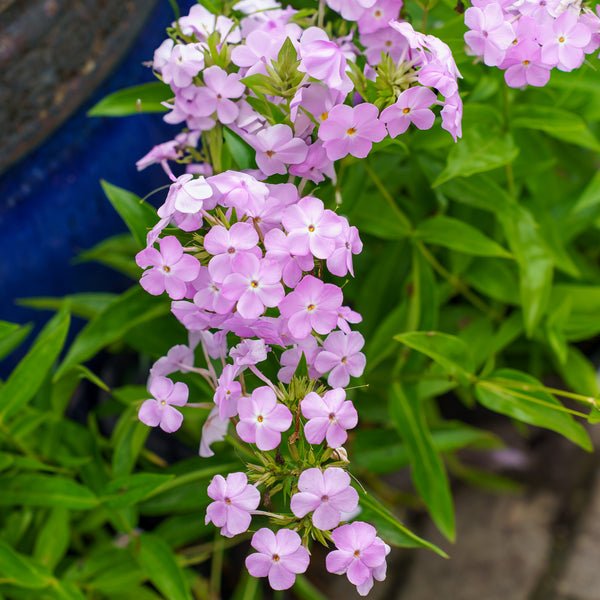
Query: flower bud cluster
x=529 y=38
x=247 y=260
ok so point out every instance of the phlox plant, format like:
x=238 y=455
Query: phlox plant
x=378 y=219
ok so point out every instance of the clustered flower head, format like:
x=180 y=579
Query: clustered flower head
x=252 y=265
x=529 y=38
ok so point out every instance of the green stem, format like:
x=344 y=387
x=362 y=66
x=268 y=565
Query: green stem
x=388 y=197
x=457 y=283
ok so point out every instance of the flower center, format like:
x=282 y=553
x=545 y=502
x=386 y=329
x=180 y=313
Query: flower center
x=311 y=228
x=332 y=416
x=231 y=249
x=344 y=359
x=163 y=402
x=377 y=14
x=254 y=283
x=357 y=553
x=388 y=43
x=227 y=501
x=275 y=557
x=351 y=131
x=324 y=116
x=260 y=418
x=525 y=62
x=214 y=287
x=166 y=269
x=310 y=307
x=561 y=39
x=406 y=110
x=219 y=97
x=324 y=498
x=270 y=153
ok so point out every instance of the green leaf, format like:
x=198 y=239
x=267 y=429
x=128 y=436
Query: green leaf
x=305 y=590
x=518 y=395
x=579 y=373
x=477 y=152
x=243 y=154
x=495 y=278
x=28 y=376
x=12 y=336
x=160 y=565
x=85 y=305
x=54 y=537
x=450 y=352
x=390 y=528
x=46 y=490
x=116 y=252
x=427 y=469
x=20 y=570
x=535 y=265
x=132 y=308
x=145 y=98
x=138 y=216
x=559 y=123
x=128 y=439
x=457 y=235
x=128 y=490
x=381 y=344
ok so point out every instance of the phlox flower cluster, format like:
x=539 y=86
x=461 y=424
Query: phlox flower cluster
x=250 y=263
x=529 y=38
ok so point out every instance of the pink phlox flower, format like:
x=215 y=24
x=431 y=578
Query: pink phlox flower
x=249 y=352
x=326 y=494
x=345 y=316
x=292 y=266
x=254 y=284
x=171 y=268
x=592 y=22
x=273 y=331
x=263 y=419
x=290 y=359
x=360 y=554
x=377 y=16
x=219 y=88
x=524 y=66
x=351 y=130
x=214 y=344
x=341 y=355
x=312 y=305
x=489 y=35
x=351 y=10
x=202 y=22
x=185 y=106
x=258 y=49
x=162 y=54
x=347 y=244
x=187 y=221
x=274 y=21
x=185 y=62
x=252 y=6
x=179 y=358
x=316 y=166
x=226 y=244
x=209 y=293
x=238 y=190
x=227 y=393
x=435 y=74
x=329 y=417
x=159 y=410
x=213 y=430
x=452 y=115
x=277 y=147
x=280 y=557
x=317 y=100
x=563 y=42
x=234 y=498
x=188 y=195
x=323 y=59
x=248 y=121
x=194 y=318
x=160 y=154
x=386 y=40
x=311 y=228
x=412 y=106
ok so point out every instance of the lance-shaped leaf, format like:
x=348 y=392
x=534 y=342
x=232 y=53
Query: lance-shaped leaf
x=522 y=397
x=450 y=352
x=427 y=469
x=22 y=571
x=30 y=373
x=457 y=235
x=145 y=98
